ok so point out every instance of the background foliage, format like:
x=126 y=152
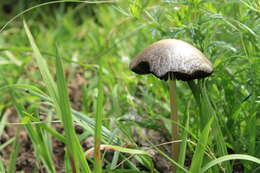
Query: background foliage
x=108 y=35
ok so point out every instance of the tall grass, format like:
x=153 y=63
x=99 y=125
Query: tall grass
x=219 y=118
x=61 y=101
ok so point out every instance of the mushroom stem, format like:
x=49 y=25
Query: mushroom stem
x=174 y=119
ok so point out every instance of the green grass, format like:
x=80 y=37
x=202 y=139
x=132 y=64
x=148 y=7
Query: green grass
x=39 y=61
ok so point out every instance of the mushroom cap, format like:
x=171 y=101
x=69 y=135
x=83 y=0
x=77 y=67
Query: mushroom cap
x=171 y=56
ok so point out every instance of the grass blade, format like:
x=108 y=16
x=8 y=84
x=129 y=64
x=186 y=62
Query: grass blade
x=61 y=101
x=183 y=145
x=46 y=75
x=14 y=154
x=206 y=111
x=167 y=157
x=119 y=149
x=229 y=157
x=52 y=131
x=2 y=146
x=74 y=147
x=98 y=127
x=198 y=156
x=218 y=136
x=2 y=168
x=35 y=135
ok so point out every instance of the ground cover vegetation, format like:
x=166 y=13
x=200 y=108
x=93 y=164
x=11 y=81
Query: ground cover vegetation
x=69 y=102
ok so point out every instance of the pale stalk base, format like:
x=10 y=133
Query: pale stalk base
x=174 y=119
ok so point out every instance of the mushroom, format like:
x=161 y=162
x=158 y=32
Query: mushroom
x=172 y=59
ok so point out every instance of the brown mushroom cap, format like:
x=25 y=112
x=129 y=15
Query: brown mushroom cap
x=172 y=56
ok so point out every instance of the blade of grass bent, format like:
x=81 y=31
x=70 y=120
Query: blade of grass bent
x=49 y=3
x=50 y=84
x=229 y=157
